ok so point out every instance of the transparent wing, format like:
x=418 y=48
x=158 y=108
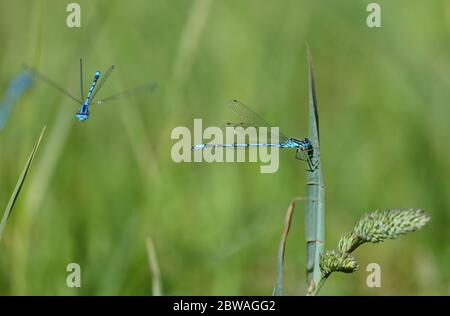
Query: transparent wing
x=142 y=89
x=81 y=79
x=263 y=135
x=102 y=82
x=251 y=118
x=50 y=82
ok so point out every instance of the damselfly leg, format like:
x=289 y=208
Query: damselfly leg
x=310 y=156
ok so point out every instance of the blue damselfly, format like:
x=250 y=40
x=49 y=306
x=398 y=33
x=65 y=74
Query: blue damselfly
x=304 y=148
x=96 y=85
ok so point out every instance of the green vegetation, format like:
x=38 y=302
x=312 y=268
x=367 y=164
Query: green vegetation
x=97 y=190
x=19 y=184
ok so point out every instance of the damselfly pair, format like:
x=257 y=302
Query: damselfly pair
x=304 y=148
x=89 y=100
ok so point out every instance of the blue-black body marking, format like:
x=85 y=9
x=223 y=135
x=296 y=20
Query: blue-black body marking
x=83 y=113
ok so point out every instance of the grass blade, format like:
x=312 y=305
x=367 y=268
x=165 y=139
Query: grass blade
x=314 y=215
x=278 y=289
x=19 y=185
x=154 y=268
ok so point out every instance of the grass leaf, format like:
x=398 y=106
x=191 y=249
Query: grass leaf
x=19 y=185
x=278 y=289
x=314 y=213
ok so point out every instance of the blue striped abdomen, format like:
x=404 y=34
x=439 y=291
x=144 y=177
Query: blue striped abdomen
x=96 y=76
x=83 y=113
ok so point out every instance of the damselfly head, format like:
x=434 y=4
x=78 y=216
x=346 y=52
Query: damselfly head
x=308 y=147
x=82 y=116
x=83 y=113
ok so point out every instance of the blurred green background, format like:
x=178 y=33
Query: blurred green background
x=99 y=189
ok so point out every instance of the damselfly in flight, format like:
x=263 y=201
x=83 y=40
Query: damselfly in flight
x=88 y=103
x=304 y=148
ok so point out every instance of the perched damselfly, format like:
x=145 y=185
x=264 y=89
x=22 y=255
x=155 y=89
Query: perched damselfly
x=89 y=100
x=304 y=148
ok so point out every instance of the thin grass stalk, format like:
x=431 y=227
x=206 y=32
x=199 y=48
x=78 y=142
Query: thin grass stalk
x=314 y=214
x=154 y=268
x=278 y=289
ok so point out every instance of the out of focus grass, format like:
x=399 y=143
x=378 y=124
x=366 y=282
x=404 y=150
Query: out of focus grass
x=15 y=194
x=98 y=189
